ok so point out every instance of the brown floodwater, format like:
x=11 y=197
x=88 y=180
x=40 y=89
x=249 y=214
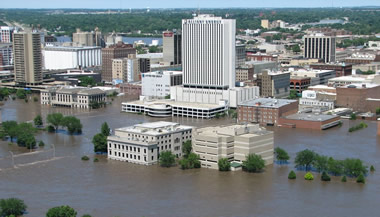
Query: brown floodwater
x=113 y=188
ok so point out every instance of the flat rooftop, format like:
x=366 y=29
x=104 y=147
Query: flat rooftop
x=360 y=86
x=154 y=128
x=267 y=102
x=310 y=117
x=320 y=86
x=244 y=130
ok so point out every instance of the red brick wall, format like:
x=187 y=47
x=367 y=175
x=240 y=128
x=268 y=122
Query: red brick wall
x=315 y=125
x=355 y=98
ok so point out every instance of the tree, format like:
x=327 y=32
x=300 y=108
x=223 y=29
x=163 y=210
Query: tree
x=353 y=116
x=372 y=169
x=293 y=94
x=86 y=81
x=281 y=154
x=344 y=179
x=320 y=163
x=61 y=211
x=309 y=176
x=10 y=129
x=86 y=215
x=335 y=167
x=354 y=167
x=72 y=123
x=253 y=163
x=378 y=111
x=360 y=179
x=12 y=206
x=224 y=164
x=292 y=175
x=325 y=177
x=296 y=48
x=190 y=162
x=153 y=49
x=186 y=148
x=41 y=144
x=55 y=119
x=100 y=143
x=26 y=139
x=105 y=129
x=21 y=94
x=38 y=120
x=167 y=159
x=305 y=159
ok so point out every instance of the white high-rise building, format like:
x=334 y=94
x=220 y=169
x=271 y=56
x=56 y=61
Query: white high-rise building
x=208 y=45
x=208 y=63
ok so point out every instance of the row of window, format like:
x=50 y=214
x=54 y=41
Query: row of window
x=128 y=156
x=126 y=147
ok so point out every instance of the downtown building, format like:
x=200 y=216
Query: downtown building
x=319 y=46
x=27 y=58
x=142 y=143
x=209 y=55
x=119 y=50
x=172 y=47
x=6 y=33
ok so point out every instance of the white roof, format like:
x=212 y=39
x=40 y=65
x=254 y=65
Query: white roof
x=320 y=86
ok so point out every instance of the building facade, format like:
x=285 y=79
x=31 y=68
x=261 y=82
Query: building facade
x=274 y=84
x=320 y=46
x=233 y=142
x=6 y=51
x=359 y=97
x=299 y=83
x=142 y=143
x=119 y=50
x=157 y=84
x=208 y=45
x=27 y=58
x=71 y=57
x=265 y=111
x=316 y=76
x=341 y=69
x=240 y=55
x=6 y=33
x=172 y=47
x=72 y=97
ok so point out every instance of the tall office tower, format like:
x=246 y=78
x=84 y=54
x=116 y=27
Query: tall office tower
x=6 y=33
x=119 y=50
x=83 y=39
x=6 y=50
x=27 y=58
x=208 y=45
x=319 y=46
x=172 y=45
x=144 y=64
x=240 y=55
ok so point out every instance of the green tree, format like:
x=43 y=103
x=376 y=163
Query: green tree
x=353 y=116
x=73 y=124
x=309 y=176
x=292 y=175
x=86 y=81
x=293 y=94
x=167 y=159
x=305 y=159
x=360 y=179
x=55 y=119
x=335 y=167
x=100 y=143
x=372 y=169
x=325 y=177
x=105 y=129
x=344 y=179
x=281 y=154
x=190 y=162
x=354 y=167
x=10 y=129
x=61 y=211
x=12 y=206
x=86 y=215
x=21 y=94
x=26 y=139
x=154 y=49
x=253 y=163
x=224 y=164
x=38 y=120
x=41 y=144
x=296 y=48
x=320 y=163
x=378 y=111
x=187 y=148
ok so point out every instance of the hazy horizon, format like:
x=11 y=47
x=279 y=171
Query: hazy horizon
x=185 y=4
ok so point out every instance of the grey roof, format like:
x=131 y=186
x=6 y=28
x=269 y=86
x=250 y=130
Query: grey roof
x=310 y=117
x=91 y=91
x=267 y=102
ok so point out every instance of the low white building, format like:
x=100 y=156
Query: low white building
x=71 y=57
x=232 y=96
x=74 y=97
x=354 y=79
x=157 y=84
x=169 y=108
x=310 y=100
x=142 y=143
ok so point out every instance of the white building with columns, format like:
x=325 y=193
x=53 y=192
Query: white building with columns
x=55 y=57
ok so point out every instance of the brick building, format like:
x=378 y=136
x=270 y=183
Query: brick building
x=309 y=121
x=265 y=111
x=244 y=74
x=261 y=57
x=119 y=50
x=341 y=69
x=299 y=83
x=359 y=97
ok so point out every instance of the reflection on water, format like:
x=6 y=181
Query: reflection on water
x=112 y=188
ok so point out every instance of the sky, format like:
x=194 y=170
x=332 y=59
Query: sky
x=126 y=4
